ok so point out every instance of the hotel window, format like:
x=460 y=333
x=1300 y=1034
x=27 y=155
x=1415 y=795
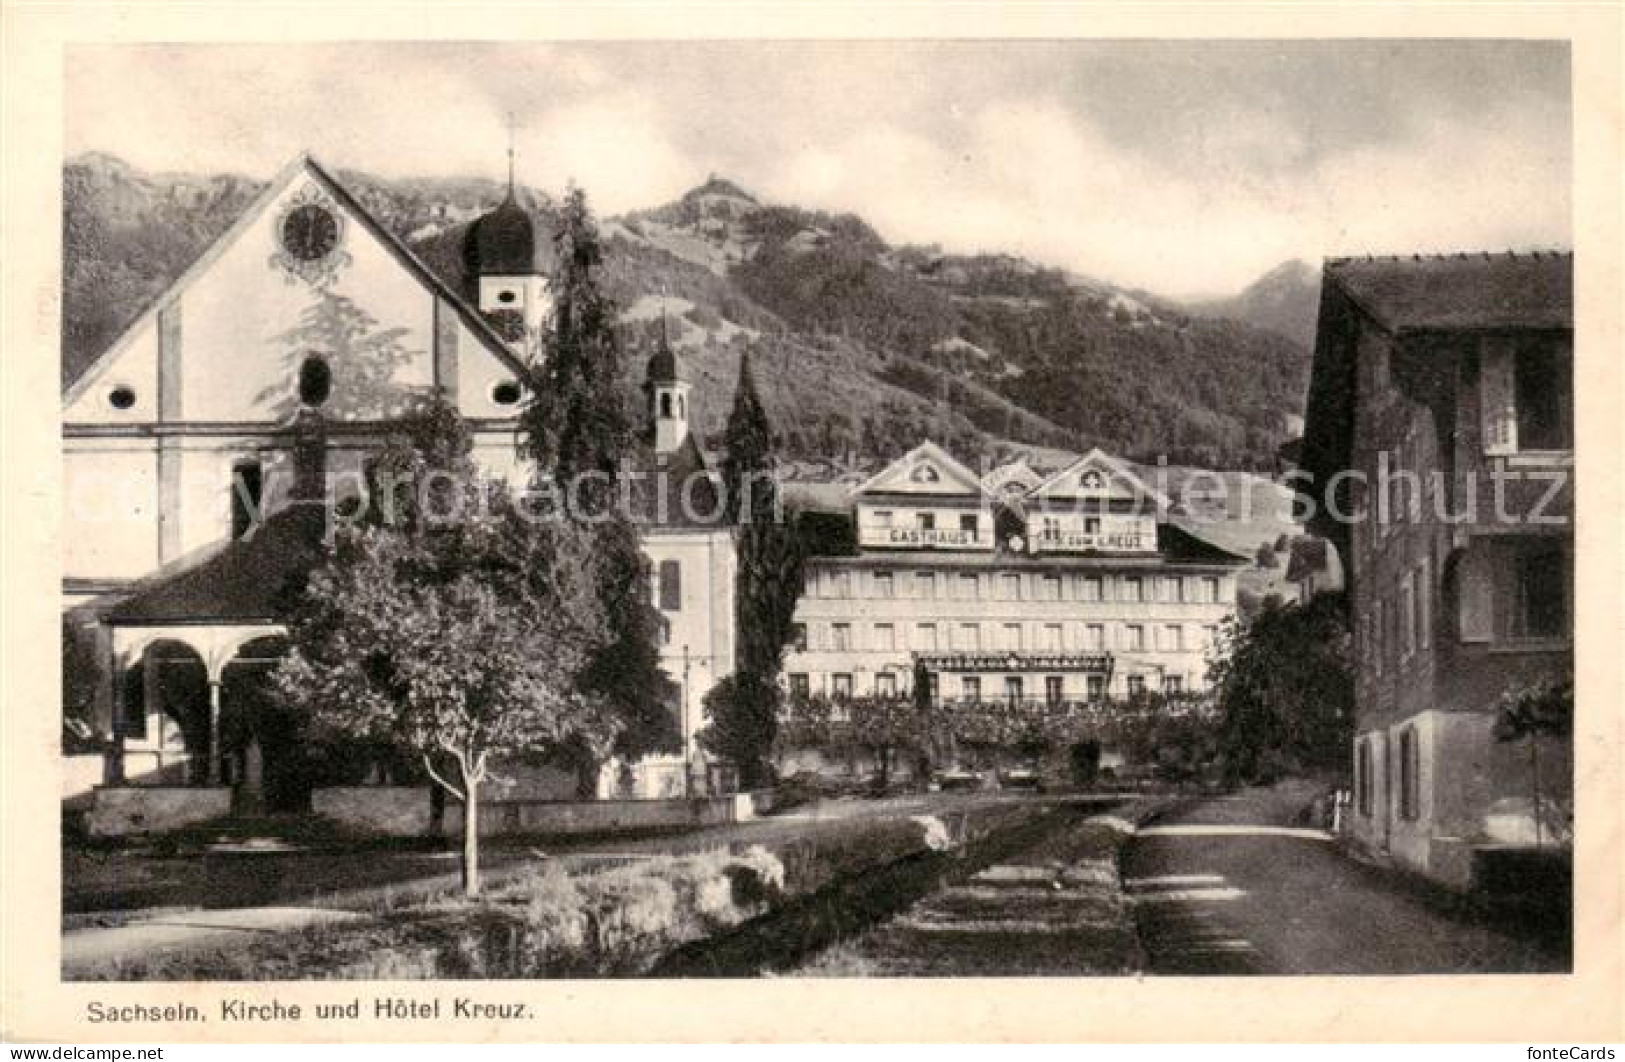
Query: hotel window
x=1173 y=685
x=1410 y=776
x=885 y=638
x=840 y=686
x=970 y=688
x=798 y=637
x=1173 y=638
x=1209 y=589
x=1091 y=525
x=800 y=689
x=1210 y=638
x=1424 y=605
x=247 y=490
x=969 y=589
x=843 y=584
x=1132 y=588
x=1013 y=689
x=1097 y=687
x=1051 y=530
x=1052 y=638
x=1094 y=637
x=1168 y=589
x=925 y=637
x=1012 y=637
x=885 y=684
x=1009 y=588
x=1134 y=638
x=1362 y=777
x=967 y=522
x=1091 y=588
x=1136 y=685
x=883 y=584
x=841 y=637
x=1049 y=588
x=1054 y=689
x=925 y=585
x=925 y=521
x=1539 y=591
x=1407 y=618
x=671 y=586
x=969 y=638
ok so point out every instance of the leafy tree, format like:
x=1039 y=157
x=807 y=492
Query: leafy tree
x=771 y=561
x=578 y=431
x=448 y=626
x=1285 y=689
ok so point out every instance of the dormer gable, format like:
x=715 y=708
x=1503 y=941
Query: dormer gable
x=926 y=499
x=1095 y=504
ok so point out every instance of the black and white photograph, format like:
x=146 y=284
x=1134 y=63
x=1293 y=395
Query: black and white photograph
x=783 y=508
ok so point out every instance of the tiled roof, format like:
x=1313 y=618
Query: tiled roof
x=692 y=496
x=1462 y=291
x=252 y=580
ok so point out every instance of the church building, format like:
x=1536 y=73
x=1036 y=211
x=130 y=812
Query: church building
x=204 y=450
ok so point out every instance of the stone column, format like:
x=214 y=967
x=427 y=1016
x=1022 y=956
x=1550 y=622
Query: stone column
x=215 y=754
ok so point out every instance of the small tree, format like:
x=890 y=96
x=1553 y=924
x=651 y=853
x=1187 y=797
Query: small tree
x=447 y=626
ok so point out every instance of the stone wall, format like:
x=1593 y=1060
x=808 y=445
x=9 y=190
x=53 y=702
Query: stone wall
x=386 y=811
x=121 y=811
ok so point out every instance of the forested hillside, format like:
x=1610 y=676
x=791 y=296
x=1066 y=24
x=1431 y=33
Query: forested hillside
x=861 y=348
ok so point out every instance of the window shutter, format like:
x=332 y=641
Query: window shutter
x=1497 y=393
x=1475 y=594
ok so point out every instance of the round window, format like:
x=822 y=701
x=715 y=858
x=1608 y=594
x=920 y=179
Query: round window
x=315 y=381
x=121 y=397
x=506 y=296
x=506 y=393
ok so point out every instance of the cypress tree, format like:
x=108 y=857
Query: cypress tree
x=744 y=711
x=577 y=430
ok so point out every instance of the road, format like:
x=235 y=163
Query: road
x=1229 y=885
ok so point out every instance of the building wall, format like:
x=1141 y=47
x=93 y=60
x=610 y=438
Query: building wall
x=1430 y=598
x=698 y=650
x=1048 y=601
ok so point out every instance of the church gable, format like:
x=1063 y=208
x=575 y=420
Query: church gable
x=305 y=301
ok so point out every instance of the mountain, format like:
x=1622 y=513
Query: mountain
x=1285 y=300
x=861 y=348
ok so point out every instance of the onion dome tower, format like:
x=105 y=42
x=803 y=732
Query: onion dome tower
x=668 y=396
x=508 y=266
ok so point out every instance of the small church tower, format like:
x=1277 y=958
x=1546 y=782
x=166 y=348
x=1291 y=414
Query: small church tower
x=508 y=267
x=668 y=397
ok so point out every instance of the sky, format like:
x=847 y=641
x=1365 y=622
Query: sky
x=1188 y=168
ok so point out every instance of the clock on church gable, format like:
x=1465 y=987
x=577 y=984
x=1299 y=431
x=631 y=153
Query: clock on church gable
x=309 y=234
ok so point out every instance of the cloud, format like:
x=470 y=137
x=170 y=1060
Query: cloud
x=1180 y=168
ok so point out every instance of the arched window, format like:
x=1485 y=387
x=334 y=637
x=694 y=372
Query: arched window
x=671 y=586
x=247 y=489
x=665 y=404
x=315 y=381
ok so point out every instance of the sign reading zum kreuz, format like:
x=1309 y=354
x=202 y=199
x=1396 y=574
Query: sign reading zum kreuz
x=1092 y=540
